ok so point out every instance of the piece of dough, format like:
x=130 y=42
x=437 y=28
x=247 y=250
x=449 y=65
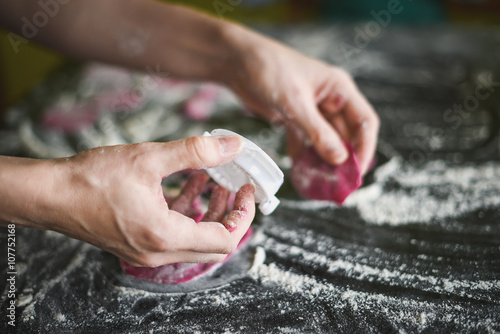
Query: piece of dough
x=314 y=178
x=202 y=105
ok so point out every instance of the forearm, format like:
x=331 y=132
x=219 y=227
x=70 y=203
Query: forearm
x=134 y=33
x=26 y=191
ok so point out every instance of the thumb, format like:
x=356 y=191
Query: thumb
x=198 y=153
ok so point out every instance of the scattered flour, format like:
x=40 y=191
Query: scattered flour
x=357 y=300
x=359 y=271
x=461 y=189
x=258 y=260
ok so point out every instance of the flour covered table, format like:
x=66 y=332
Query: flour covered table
x=416 y=249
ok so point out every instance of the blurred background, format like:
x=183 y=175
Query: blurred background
x=21 y=71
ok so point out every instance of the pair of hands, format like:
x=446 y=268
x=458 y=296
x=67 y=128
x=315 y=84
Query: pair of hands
x=111 y=197
x=120 y=206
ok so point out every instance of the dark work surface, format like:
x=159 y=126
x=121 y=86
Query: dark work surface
x=417 y=249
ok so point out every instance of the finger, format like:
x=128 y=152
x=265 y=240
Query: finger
x=239 y=219
x=191 y=257
x=323 y=136
x=364 y=125
x=195 y=257
x=295 y=140
x=230 y=200
x=196 y=153
x=331 y=107
x=203 y=237
x=339 y=123
x=332 y=104
x=156 y=259
x=160 y=259
x=217 y=207
x=189 y=193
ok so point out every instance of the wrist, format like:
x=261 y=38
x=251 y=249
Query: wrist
x=248 y=54
x=29 y=192
x=190 y=44
x=239 y=47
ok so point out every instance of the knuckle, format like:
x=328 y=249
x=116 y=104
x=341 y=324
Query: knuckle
x=161 y=245
x=343 y=75
x=200 y=148
x=141 y=156
x=152 y=241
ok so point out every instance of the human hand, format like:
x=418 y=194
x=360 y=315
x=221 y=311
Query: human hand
x=188 y=204
x=112 y=198
x=307 y=95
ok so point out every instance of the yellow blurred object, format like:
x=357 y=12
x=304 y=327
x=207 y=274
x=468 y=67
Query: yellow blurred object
x=23 y=70
x=482 y=12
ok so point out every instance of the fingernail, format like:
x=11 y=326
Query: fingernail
x=230 y=145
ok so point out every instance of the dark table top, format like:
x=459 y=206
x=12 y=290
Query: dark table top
x=417 y=249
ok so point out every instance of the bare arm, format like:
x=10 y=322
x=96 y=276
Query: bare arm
x=274 y=81
x=24 y=182
x=133 y=33
x=112 y=198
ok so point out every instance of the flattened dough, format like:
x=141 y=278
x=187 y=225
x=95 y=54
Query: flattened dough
x=314 y=178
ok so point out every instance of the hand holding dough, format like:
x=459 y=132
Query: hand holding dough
x=189 y=204
x=321 y=100
x=112 y=197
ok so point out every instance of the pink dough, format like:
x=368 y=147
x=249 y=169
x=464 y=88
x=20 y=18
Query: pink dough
x=176 y=273
x=120 y=101
x=201 y=105
x=314 y=178
x=72 y=119
x=80 y=116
